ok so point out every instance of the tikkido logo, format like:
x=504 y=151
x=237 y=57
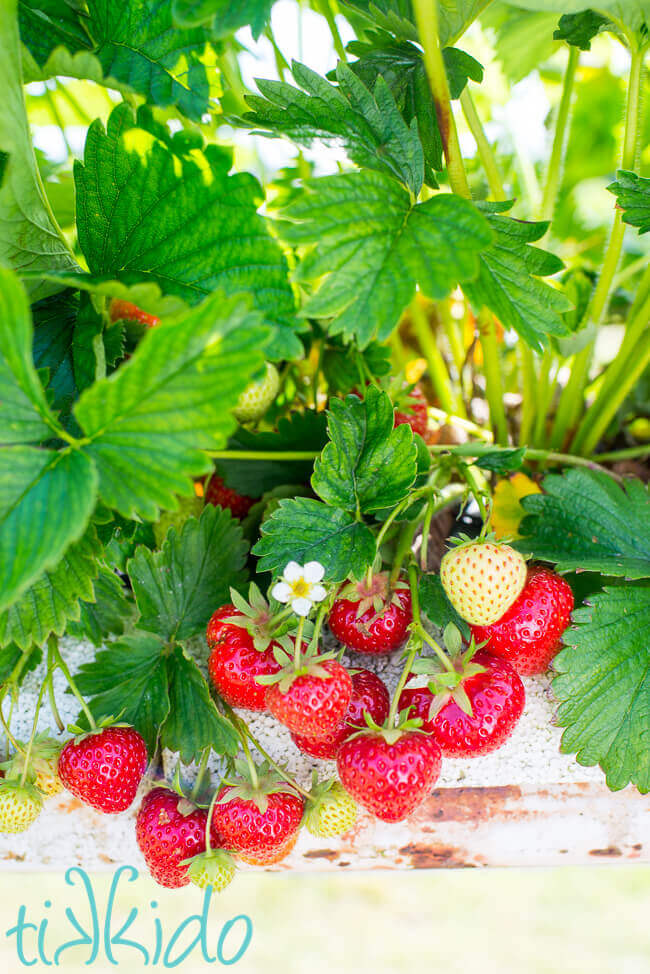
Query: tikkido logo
x=35 y=942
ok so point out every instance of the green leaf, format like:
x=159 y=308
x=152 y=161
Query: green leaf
x=178 y=588
x=145 y=295
x=585 y=521
x=580 y=29
x=51 y=603
x=10 y=657
x=107 y=613
x=369 y=464
x=633 y=197
x=156 y=208
x=297 y=431
x=502 y=461
x=508 y=280
x=194 y=722
x=397 y=16
x=25 y=416
x=54 y=321
x=305 y=530
x=223 y=16
x=46 y=499
x=29 y=237
x=401 y=66
x=367 y=124
x=134 y=47
x=341 y=364
x=603 y=685
x=151 y=419
x=373 y=246
x=129 y=680
x=523 y=40
x=437 y=607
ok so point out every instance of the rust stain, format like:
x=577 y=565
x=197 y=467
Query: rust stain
x=470 y=804
x=71 y=805
x=343 y=863
x=637 y=846
x=611 y=850
x=435 y=856
x=14 y=856
x=330 y=854
x=105 y=858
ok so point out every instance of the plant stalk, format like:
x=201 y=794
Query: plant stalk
x=492 y=372
x=554 y=172
x=485 y=150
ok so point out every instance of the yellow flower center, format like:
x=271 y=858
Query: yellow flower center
x=300 y=588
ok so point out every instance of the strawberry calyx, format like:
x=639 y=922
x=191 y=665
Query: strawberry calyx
x=390 y=732
x=264 y=626
x=254 y=783
x=448 y=684
x=372 y=592
x=43 y=758
x=21 y=790
x=81 y=733
x=309 y=664
x=215 y=868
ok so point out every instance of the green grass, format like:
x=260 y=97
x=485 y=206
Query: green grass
x=592 y=920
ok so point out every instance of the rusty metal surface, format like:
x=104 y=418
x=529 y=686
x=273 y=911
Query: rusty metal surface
x=505 y=825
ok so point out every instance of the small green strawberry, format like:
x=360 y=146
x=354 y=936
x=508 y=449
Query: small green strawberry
x=215 y=868
x=330 y=810
x=482 y=579
x=20 y=805
x=258 y=396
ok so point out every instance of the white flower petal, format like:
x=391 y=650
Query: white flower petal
x=301 y=606
x=292 y=572
x=313 y=571
x=317 y=593
x=281 y=592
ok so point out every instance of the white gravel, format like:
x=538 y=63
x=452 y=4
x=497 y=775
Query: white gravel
x=67 y=833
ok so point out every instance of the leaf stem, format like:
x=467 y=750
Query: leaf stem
x=554 y=170
x=479 y=449
x=492 y=372
x=208 y=823
x=629 y=453
x=528 y=393
x=297 y=455
x=436 y=363
x=298 y=643
x=485 y=150
x=60 y=662
x=246 y=731
x=247 y=754
x=324 y=8
x=404 y=544
x=30 y=743
x=200 y=772
x=426 y=18
x=466 y=472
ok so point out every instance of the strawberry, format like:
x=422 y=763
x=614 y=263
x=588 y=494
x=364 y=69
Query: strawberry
x=369 y=695
x=125 y=311
x=20 y=805
x=42 y=770
x=414 y=412
x=105 y=767
x=312 y=700
x=330 y=810
x=169 y=830
x=475 y=716
x=258 y=813
x=234 y=662
x=218 y=494
x=215 y=869
x=389 y=772
x=258 y=396
x=530 y=633
x=370 y=618
x=482 y=579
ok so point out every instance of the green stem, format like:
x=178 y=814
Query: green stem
x=298 y=643
x=30 y=743
x=630 y=453
x=208 y=822
x=249 y=760
x=6 y=726
x=426 y=18
x=528 y=393
x=200 y=773
x=60 y=662
x=548 y=456
x=572 y=397
x=544 y=395
x=298 y=455
x=426 y=530
x=324 y=8
x=554 y=170
x=492 y=372
x=452 y=332
x=404 y=544
x=448 y=419
x=436 y=363
x=485 y=150
x=467 y=474
x=51 y=666
x=244 y=729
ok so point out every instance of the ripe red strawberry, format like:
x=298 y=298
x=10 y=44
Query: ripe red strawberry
x=257 y=819
x=482 y=579
x=125 y=311
x=496 y=697
x=105 y=767
x=218 y=494
x=315 y=702
x=530 y=633
x=234 y=661
x=169 y=830
x=414 y=412
x=370 y=618
x=369 y=695
x=389 y=775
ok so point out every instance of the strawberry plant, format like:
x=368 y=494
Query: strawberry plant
x=239 y=400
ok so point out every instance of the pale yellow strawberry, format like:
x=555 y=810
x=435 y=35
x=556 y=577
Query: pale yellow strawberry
x=215 y=869
x=258 y=396
x=334 y=813
x=20 y=805
x=43 y=767
x=482 y=580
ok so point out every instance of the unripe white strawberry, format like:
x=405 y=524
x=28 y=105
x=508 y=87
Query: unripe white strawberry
x=482 y=580
x=215 y=869
x=20 y=805
x=258 y=396
x=332 y=812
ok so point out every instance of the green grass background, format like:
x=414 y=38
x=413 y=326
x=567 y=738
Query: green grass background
x=590 y=920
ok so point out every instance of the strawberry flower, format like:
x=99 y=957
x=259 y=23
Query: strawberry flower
x=299 y=586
